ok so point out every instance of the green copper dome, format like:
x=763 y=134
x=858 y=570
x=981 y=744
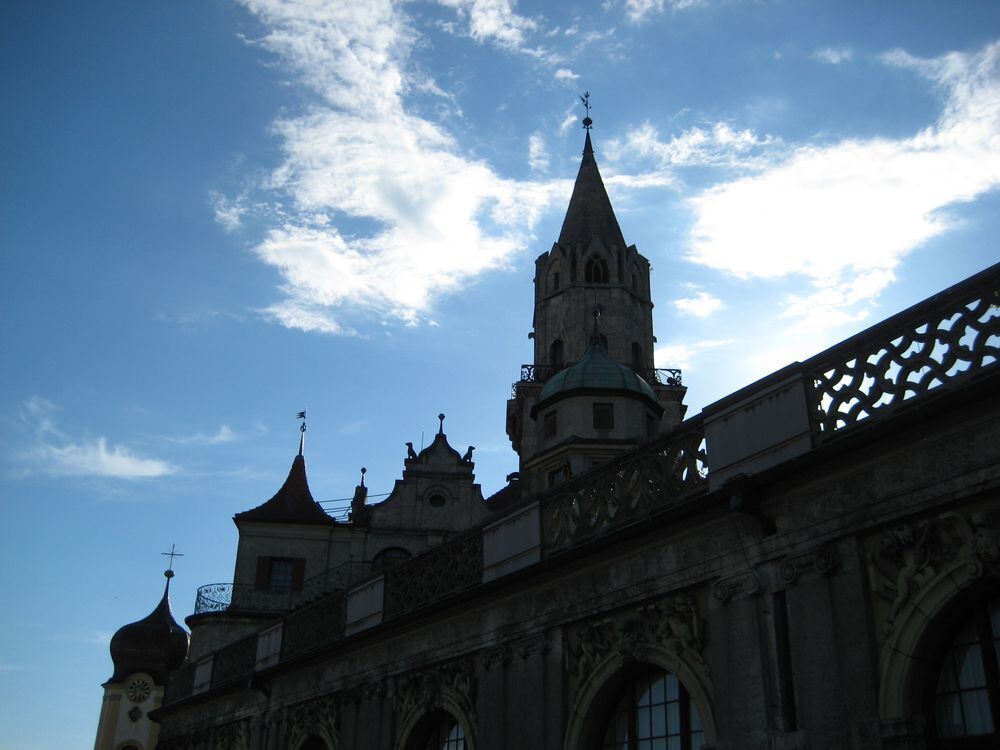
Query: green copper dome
x=596 y=371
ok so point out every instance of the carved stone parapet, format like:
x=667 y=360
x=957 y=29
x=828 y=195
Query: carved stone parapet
x=822 y=560
x=746 y=583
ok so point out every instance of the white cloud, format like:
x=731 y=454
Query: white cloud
x=701 y=305
x=56 y=454
x=494 y=20
x=845 y=214
x=569 y=121
x=538 y=157
x=679 y=355
x=565 y=74
x=228 y=213
x=718 y=145
x=833 y=55
x=225 y=434
x=437 y=216
x=639 y=10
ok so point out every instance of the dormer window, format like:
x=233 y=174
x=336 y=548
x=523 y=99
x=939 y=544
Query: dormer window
x=596 y=271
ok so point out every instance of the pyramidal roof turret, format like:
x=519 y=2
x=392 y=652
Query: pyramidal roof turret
x=590 y=215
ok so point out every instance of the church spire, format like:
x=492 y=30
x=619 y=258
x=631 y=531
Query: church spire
x=590 y=215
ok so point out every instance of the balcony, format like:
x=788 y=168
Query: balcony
x=538 y=374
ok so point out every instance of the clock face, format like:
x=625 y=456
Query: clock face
x=137 y=691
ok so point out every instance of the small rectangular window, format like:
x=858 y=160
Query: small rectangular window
x=604 y=416
x=282 y=570
x=202 y=676
x=549 y=425
x=557 y=476
x=268 y=647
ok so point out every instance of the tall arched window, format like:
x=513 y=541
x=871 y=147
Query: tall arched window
x=596 y=271
x=967 y=695
x=654 y=712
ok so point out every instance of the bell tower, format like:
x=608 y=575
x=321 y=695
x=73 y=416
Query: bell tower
x=589 y=268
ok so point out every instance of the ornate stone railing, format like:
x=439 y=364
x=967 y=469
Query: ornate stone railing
x=947 y=338
x=662 y=474
x=221 y=597
x=439 y=573
x=313 y=626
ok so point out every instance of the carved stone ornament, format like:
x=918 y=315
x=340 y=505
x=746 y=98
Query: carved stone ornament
x=492 y=658
x=746 y=583
x=821 y=560
x=317 y=716
x=374 y=690
x=913 y=554
x=532 y=645
x=672 y=624
x=232 y=736
x=427 y=689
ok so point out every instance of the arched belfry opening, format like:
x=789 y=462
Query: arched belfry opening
x=596 y=270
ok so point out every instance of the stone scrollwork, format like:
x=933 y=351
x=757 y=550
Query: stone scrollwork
x=232 y=736
x=821 y=560
x=453 y=682
x=319 y=716
x=911 y=555
x=672 y=624
x=492 y=658
x=746 y=583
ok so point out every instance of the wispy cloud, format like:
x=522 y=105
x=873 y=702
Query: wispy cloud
x=440 y=217
x=225 y=434
x=844 y=215
x=833 y=55
x=494 y=21
x=538 y=156
x=228 y=212
x=640 y=10
x=716 y=145
x=565 y=74
x=680 y=354
x=55 y=453
x=701 y=305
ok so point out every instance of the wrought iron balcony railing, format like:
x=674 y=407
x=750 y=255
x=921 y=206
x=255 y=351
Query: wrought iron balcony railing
x=538 y=374
x=221 y=597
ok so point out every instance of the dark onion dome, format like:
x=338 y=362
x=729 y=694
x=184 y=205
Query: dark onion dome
x=596 y=371
x=293 y=503
x=156 y=644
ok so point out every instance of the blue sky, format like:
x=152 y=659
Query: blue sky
x=215 y=214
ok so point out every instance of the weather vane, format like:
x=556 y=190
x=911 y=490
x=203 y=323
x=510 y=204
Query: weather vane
x=587 y=122
x=171 y=554
x=302 y=429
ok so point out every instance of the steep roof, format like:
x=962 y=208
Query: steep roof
x=590 y=215
x=293 y=503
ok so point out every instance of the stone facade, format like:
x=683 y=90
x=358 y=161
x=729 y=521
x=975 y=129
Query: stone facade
x=787 y=569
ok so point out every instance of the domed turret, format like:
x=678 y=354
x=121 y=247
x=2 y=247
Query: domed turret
x=596 y=371
x=155 y=645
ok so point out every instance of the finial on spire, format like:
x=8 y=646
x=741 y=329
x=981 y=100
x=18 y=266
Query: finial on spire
x=169 y=572
x=587 y=122
x=302 y=430
x=441 y=428
x=363 y=472
x=596 y=335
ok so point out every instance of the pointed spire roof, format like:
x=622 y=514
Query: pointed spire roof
x=590 y=215
x=293 y=503
x=155 y=645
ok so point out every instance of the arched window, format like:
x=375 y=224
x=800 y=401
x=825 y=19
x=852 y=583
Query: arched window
x=967 y=695
x=596 y=271
x=439 y=731
x=556 y=354
x=388 y=557
x=554 y=281
x=654 y=711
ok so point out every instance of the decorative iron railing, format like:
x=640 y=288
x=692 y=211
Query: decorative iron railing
x=441 y=572
x=539 y=374
x=945 y=339
x=660 y=475
x=220 y=597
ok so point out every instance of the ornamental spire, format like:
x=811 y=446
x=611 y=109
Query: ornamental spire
x=590 y=215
